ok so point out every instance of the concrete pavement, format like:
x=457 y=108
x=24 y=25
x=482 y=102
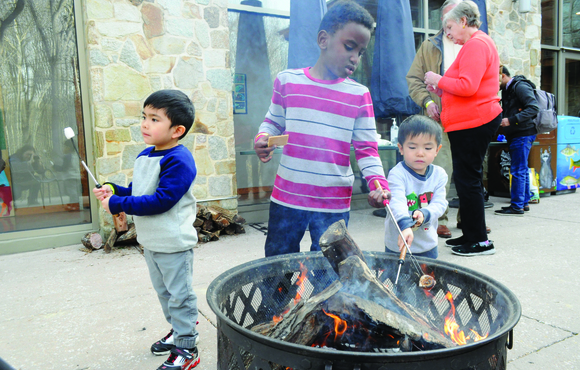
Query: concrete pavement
x=63 y=308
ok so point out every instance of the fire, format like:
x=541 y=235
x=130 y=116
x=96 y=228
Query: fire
x=451 y=327
x=299 y=292
x=340 y=325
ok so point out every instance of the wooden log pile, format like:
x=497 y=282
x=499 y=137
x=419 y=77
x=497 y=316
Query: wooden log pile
x=213 y=221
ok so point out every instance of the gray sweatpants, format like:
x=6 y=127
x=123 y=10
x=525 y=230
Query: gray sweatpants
x=172 y=278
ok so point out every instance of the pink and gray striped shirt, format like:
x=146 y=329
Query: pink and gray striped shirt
x=323 y=119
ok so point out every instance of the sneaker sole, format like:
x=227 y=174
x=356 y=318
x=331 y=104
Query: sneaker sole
x=509 y=214
x=491 y=251
x=192 y=364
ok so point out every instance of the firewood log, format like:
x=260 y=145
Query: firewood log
x=129 y=237
x=92 y=241
x=337 y=245
x=111 y=240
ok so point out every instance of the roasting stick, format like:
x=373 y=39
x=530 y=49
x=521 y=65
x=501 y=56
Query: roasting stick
x=406 y=249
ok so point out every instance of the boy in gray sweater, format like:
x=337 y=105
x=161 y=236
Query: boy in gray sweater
x=161 y=200
x=417 y=188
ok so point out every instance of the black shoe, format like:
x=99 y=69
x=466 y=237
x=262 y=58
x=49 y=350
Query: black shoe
x=474 y=249
x=454 y=203
x=510 y=211
x=526 y=208
x=380 y=212
x=164 y=345
x=487 y=229
x=455 y=242
x=181 y=359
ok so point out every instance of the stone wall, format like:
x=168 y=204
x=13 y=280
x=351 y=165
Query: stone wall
x=136 y=47
x=517 y=36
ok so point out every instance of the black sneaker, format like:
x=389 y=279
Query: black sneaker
x=474 y=249
x=181 y=359
x=526 y=208
x=455 y=242
x=510 y=211
x=165 y=344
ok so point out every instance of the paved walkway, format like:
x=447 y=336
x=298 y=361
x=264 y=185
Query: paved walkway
x=65 y=309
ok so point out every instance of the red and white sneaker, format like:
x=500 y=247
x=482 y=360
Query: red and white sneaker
x=164 y=345
x=181 y=359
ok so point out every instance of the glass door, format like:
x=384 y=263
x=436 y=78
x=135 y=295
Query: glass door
x=571 y=85
x=42 y=184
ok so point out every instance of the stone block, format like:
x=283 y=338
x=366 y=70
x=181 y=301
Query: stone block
x=202 y=33
x=225 y=128
x=217 y=148
x=108 y=165
x=168 y=45
x=97 y=84
x=97 y=58
x=129 y=155
x=113 y=148
x=211 y=15
x=126 y=12
x=220 y=79
x=199 y=191
x=159 y=64
x=126 y=122
x=118 y=135
x=118 y=109
x=142 y=47
x=173 y=6
x=188 y=73
x=220 y=186
x=155 y=83
x=99 y=9
x=103 y=116
x=179 y=27
x=227 y=167
x=194 y=49
x=203 y=161
x=136 y=135
x=152 y=20
x=214 y=58
x=116 y=80
x=192 y=11
x=133 y=109
x=111 y=45
x=130 y=57
x=223 y=110
x=220 y=39
x=117 y=28
x=100 y=144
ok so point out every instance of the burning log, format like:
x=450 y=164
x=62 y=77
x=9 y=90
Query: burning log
x=337 y=245
x=357 y=311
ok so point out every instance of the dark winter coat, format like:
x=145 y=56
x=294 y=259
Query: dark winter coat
x=520 y=107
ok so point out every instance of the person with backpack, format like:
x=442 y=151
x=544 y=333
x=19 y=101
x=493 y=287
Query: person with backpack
x=520 y=107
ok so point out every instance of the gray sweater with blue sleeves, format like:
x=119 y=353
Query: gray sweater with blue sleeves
x=161 y=200
x=409 y=192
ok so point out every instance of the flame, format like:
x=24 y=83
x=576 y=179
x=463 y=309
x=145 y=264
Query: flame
x=451 y=327
x=340 y=325
x=300 y=282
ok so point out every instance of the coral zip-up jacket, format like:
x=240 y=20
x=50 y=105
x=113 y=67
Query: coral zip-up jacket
x=471 y=85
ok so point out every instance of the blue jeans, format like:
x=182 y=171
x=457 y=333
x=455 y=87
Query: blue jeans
x=286 y=227
x=519 y=151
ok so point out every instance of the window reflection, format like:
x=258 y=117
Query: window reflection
x=572 y=88
x=549 y=16
x=571 y=24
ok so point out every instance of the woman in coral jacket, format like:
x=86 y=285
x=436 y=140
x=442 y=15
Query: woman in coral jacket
x=471 y=116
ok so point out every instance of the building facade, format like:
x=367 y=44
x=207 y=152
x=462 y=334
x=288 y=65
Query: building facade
x=89 y=65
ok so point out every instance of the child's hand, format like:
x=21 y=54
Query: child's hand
x=105 y=203
x=262 y=150
x=418 y=217
x=104 y=191
x=408 y=234
x=377 y=197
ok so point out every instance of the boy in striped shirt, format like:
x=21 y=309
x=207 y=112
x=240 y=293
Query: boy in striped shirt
x=324 y=113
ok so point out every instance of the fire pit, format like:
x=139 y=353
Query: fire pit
x=255 y=292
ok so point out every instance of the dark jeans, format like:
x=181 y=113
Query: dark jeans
x=468 y=148
x=519 y=152
x=286 y=227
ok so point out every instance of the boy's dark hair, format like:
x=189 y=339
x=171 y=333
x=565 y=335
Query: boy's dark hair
x=419 y=125
x=343 y=12
x=505 y=71
x=178 y=107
